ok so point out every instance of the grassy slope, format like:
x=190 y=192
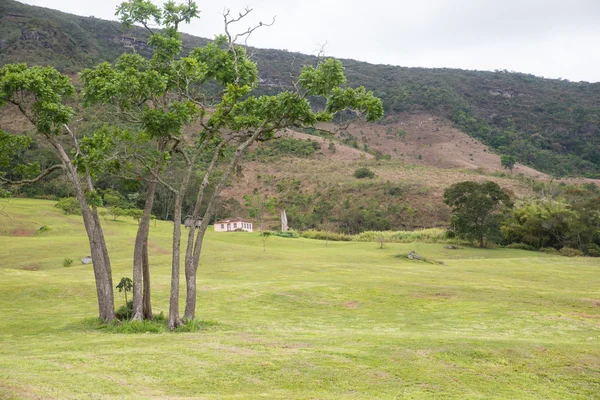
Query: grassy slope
x=300 y=320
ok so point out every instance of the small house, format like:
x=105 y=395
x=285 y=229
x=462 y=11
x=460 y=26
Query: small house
x=233 y=224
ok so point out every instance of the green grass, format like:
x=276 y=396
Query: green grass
x=299 y=320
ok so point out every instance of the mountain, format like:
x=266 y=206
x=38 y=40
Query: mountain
x=548 y=124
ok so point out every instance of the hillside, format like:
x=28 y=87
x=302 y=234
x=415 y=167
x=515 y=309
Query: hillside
x=550 y=125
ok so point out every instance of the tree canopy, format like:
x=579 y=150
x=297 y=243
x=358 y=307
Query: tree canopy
x=476 y=209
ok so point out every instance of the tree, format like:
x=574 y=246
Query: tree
x=264 y=236
x=364 y=172
x=69 y=205
x=125 y=285
x=136 y=214
x=259 y=205
x=476 y=209
x=39 y=94
x=144 y=92
x=508 y=162
x=211 y=88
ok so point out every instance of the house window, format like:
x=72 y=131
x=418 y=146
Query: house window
x=222 y=226
x=234 y=225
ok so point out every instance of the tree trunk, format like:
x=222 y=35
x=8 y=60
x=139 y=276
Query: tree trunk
x=99 y=252
x=141 y=269
x=174 y=319
x=191 y=267
x=191 y=270
x=146 y=274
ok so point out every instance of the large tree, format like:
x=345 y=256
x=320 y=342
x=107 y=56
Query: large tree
x=476 y=209
x=208 y=91
x=40 y=93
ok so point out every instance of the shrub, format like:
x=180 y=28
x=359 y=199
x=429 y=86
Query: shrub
x=520 y=246
x=125 y=312
x=43 y=229
x=549 y=250
x=570 y=252
x=69 y=205
x=432 y=235
x=323 y=235
x=593 y=250
x=136 y=214
x=364 y=172
x=288 y=234
x=67 y=262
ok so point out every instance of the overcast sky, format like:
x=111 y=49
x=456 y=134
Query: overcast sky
x=550 y=38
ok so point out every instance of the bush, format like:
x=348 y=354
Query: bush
x=69 y=205
x=570 y=252
x=125 y=312
x=593 y=250
x=288 y=234
x=322 y=235
x=548 y=250
x=432 y=235
x=43 y=229
x=67 y=262
x=520 y=246
x=364 y=172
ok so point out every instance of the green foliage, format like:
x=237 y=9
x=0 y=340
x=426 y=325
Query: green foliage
x=136 y=214
x=11 y=147
x=39 y=91
x=508 y=162
x=124 y=312
x=116 y=212
x=520 y=246
x=432 y=235
x=285 y=146
x=264 y=236
x=288 y=234
x=476 y=210
x=572 y=221
x=364 y=172
x=258 y=205
x=125 y=285
x=570 y=252
x=69 y=205
x=67 y=262
x=43 y=228
x=326 y=235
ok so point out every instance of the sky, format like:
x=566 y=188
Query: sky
x=549 y=38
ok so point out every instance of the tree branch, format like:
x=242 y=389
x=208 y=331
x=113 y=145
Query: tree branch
x=47 y=172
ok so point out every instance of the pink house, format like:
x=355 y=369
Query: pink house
x=229 y=225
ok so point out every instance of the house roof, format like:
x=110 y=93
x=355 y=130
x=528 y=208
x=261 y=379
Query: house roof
x=230 y=220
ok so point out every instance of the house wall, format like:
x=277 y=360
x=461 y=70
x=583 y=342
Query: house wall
x=233 y=225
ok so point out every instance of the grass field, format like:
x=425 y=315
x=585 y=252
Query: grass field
x=299 y=320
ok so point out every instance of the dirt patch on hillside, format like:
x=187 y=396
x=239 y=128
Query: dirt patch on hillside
x=22 y=232
x=425 y=139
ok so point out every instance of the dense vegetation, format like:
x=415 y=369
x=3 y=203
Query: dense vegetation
x=551 y=125
x=565 y=219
